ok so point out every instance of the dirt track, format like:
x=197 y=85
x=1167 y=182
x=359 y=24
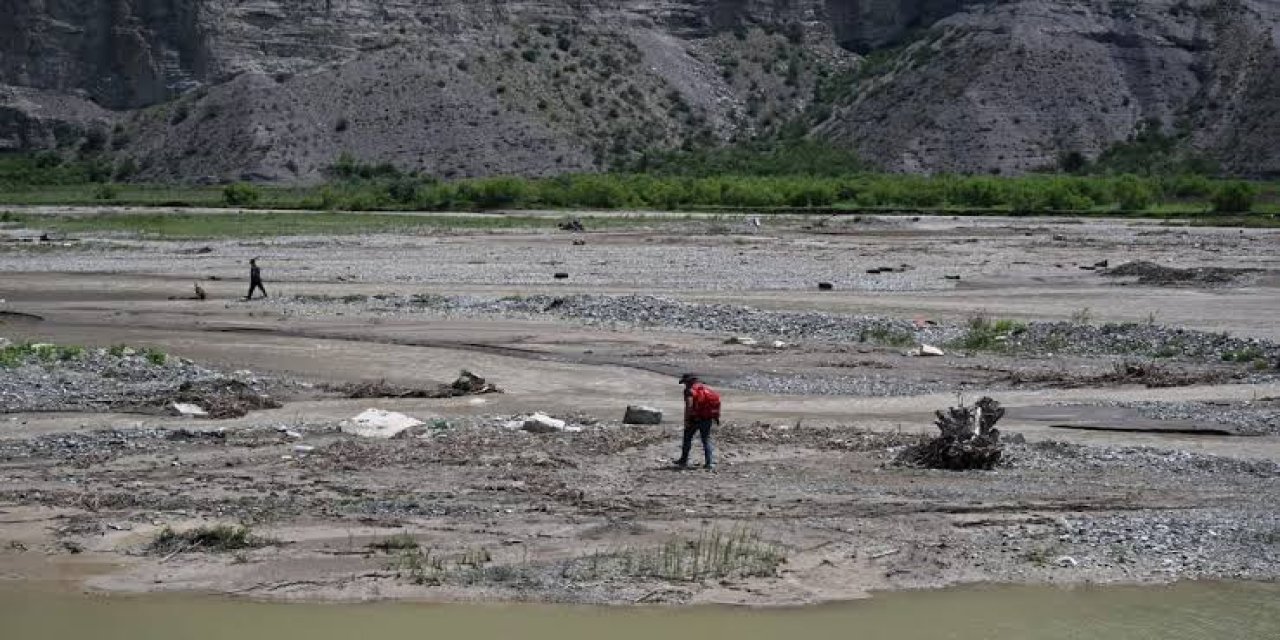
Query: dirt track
x=822 y=492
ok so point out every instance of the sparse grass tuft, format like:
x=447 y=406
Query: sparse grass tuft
x=985 y=334
x=714 y=554
x=218 y=538
x=399 y=542
x=155 y=356
x=887 y=336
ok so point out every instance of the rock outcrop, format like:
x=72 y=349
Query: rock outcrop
x=278 y=89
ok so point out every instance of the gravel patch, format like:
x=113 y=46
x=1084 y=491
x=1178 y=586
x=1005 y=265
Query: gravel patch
x=47 y=378
x=1244 y=418
x=1080 y=459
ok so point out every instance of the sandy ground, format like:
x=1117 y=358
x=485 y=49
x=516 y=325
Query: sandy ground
x=809 y=475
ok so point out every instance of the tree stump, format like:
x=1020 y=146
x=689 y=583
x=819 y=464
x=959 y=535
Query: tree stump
x=969 y=440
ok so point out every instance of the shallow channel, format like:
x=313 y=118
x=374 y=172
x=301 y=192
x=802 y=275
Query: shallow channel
x=1190 y=611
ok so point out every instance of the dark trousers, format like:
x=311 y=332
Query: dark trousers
x=703 y=428
x=256 y=285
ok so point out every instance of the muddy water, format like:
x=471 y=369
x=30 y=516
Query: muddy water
x=1186 y=611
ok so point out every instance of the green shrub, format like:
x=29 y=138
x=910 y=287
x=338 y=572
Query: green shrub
x=106 y=192
x=241 y=195
x=1234 y=197
x=1133 y=194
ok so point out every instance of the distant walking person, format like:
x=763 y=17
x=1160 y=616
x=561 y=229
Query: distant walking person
x=255 y=280
x=701 y=412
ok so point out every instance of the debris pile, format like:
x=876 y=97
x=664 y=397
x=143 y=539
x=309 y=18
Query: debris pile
x=222 y=398
x=46 y=377
x=969 y=440
x=467 y=384
x=1150 y=273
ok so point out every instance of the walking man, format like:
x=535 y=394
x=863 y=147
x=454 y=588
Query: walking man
x=255 y=279
x=701 y=411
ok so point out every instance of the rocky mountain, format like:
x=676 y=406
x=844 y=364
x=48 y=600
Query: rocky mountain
x=278 y=89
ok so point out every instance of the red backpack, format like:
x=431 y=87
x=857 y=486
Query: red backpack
x=706 y=402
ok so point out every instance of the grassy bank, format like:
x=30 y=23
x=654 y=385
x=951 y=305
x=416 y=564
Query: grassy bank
x=670 y=186
x=180 y=226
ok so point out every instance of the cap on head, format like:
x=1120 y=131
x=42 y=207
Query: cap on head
x=688 y=378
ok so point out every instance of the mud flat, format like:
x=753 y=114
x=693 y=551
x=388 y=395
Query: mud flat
x=279 y=499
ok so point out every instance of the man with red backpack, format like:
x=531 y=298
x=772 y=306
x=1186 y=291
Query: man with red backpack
x=701 y=411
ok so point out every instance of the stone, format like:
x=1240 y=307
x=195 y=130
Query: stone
x=1066 y=562
x=742 y=340
x=642 y=415
x=778 y=344
x=930 y=350
x=380 y=424
x=562 y=276
x=187 y=410
x=826 y=286
x=542 y=423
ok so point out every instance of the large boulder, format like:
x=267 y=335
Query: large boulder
x=642 y=415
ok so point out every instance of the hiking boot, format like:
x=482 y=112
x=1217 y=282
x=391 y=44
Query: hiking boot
x=709 y=468
x=680 y=464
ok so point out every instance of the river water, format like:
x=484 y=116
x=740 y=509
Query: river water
x=1190 y=611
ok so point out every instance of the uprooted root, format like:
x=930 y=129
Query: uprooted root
x=969 y=440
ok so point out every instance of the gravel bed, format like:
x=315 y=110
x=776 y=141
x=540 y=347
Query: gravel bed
x=1243 y=418
x=1150 y=340
x=1082 y=459
x=1182 y=545
x=805 y=384
x=643 y=311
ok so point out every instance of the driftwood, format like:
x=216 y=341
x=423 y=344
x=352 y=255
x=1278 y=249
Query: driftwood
x=969 y=440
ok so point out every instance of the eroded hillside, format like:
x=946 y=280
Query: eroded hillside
x=222 y=89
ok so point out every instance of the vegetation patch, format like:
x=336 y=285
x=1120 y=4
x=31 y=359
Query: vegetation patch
x=213 y=539
x=985 y=334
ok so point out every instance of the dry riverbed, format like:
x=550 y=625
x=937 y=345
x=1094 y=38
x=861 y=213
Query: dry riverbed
x=1141 y=408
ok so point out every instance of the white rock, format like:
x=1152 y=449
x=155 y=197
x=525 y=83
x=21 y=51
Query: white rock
x=778 y=344
x=187 y=410
x=1067 y=561
x=642 y=415
x=377 y=423
x=930 y=350
x=303 y=448
x=542 y=423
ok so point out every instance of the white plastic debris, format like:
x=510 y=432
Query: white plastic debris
x=187 y=410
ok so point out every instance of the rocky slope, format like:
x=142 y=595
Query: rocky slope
x=226 y=89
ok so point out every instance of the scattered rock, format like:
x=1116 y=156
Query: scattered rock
x=377 y=423
x=778 y=344
x=642 y=415
x=930 y=350
x=1066 y=562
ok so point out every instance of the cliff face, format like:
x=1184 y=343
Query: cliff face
x=278 y=89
